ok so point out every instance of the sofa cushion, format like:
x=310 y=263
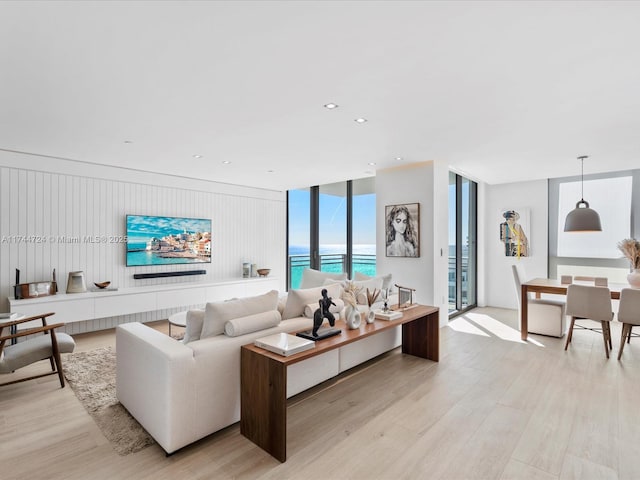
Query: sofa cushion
x=252 y=323
x=195 y=318
x=386 y=279
x=218 y=313
x=314 y=278
x=298 y=299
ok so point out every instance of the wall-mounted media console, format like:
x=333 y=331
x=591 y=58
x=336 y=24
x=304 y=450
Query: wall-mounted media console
x=75 y=307
x=182 y=273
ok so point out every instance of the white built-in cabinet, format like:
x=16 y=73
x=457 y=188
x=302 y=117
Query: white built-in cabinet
x=77 y=307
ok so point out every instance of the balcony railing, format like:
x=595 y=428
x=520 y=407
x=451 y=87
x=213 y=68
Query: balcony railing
x=330 y=262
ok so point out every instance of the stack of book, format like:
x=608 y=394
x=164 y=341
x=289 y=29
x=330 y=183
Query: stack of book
x=284 y=344
x=388 y=315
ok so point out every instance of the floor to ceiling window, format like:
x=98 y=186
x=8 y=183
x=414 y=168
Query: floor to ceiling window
x=299 y=237
x=332 y=228
x=363 y=226
x=462 y=244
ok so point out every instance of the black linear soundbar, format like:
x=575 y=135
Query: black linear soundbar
x=183 y=273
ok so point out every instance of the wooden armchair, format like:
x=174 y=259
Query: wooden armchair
x=43 y=343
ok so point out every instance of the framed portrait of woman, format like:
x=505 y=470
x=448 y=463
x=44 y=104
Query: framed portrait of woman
x=402 y=227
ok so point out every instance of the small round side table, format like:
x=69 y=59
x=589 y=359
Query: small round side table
x=178 y=319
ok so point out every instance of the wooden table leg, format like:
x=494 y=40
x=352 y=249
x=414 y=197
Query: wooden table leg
x=524 y=312
x=263 y=402
x=421 y=337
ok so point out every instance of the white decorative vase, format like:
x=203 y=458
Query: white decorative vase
x=352 y=317
x=634 y=278
x=371 y=316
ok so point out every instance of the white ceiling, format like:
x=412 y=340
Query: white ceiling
x=501 y=91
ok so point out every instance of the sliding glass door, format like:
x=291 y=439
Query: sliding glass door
x=463 y=213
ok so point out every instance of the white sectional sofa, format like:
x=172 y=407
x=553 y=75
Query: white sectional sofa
x=181 y=392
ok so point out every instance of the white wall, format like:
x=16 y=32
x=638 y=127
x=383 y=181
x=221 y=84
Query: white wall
x=499 y=290
x=45 y=197
x=424 y=183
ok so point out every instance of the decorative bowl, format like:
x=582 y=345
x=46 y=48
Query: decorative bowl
x=263 y=272
x=102 y=284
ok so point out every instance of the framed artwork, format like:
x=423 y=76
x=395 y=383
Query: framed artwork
x=514 y=228
x=402 y=227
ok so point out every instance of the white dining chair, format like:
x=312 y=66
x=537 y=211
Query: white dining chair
x=544 y=317
x=597 y=281
x=585 y=302
x=628 y=314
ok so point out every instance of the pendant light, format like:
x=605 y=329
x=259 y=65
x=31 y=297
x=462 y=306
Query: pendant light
x=582 y=218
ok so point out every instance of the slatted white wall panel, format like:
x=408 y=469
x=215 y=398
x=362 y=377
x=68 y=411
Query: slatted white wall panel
x=38 y=207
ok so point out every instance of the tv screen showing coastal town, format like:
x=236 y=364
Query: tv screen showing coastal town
x=167 y=240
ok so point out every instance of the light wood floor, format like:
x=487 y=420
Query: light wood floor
x=493 y=408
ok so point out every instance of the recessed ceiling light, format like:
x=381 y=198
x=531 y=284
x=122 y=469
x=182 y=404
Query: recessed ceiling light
x=360 y=120
x=331 y=106
x=398 y=158
x=269 y=171
x=226 y=162
x=128 y=141
x=197 y=156
x=371 y=163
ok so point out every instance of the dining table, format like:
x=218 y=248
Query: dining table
x=556 y=287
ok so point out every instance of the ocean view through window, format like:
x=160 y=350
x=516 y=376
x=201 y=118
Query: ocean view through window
x=324 y=235
x=332 y=260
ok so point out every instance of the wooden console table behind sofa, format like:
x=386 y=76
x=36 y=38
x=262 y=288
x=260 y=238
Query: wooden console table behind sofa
x=263 y=375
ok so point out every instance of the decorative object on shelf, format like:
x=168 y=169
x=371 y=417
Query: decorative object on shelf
x=405 y=297
x=512 y=232
x=371 y=316
x=323 y=312
x=630 y=248
x=263 y=272
x=388 y=315
x=246 y=270
x=318 y=317
x=385 y=296
x=372 y=296
x=352 y=316
x=254 y=269
x=402 y=230
x=582 y=218
x=33 y=289
x=102 y=284
x=76 y=283
x=53 y=277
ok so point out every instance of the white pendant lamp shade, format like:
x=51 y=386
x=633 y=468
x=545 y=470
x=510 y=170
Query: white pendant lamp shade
x=582 y=218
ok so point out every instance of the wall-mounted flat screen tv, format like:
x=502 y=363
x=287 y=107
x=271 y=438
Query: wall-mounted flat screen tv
x=167 y=240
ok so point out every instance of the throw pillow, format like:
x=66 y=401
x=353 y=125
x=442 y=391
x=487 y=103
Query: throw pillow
x=315 y=278
x=386 y=279
x=252 y=323
x=216 y=314
x=195 y=319
x=298 y=299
